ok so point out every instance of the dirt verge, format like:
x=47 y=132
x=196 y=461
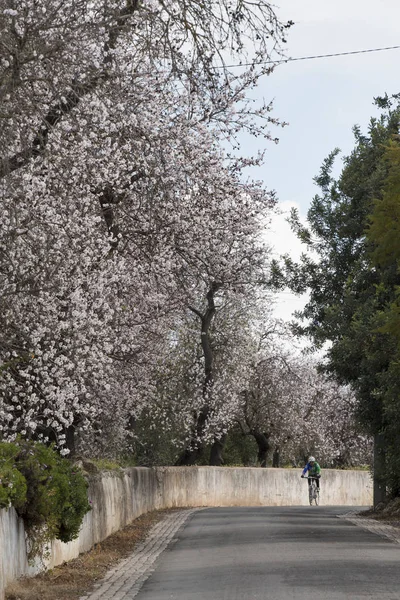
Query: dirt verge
x=76 y=578
x=385 y=513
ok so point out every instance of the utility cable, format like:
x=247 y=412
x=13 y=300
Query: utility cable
x=286 y=60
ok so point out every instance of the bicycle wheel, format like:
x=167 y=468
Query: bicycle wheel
x=311 y=494
x=316 y=496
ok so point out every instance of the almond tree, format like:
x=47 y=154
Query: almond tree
x=96 y=297
x=293 y=411
x=113 y=189
x=55 y=54
x=199 y=412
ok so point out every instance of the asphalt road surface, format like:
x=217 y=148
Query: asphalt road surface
x=275 y=553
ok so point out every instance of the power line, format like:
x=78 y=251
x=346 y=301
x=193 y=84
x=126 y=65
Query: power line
x=276 y=62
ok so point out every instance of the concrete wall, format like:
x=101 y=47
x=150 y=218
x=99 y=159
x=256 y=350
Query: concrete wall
x=118 y=500
x=222 y=486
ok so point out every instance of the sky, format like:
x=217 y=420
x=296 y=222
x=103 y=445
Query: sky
x=322 y=99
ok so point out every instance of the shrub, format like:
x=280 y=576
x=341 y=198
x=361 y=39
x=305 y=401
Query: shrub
x=13 y=486
x=55 y=500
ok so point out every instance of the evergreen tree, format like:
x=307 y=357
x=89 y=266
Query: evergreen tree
x=346 y=294
x=383 y=233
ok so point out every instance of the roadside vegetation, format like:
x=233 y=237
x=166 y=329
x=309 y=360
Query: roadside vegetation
x=47 y=491
x=76 y=578
x=353 y=280
x=136 y=274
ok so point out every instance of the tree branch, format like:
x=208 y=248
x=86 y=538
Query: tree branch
x=68 y=102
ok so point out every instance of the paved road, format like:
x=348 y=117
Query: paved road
x=288 y=553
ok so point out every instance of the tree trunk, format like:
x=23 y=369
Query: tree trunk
x=195 y=446
x=195 y=449
x=70 y=440
x=189 y=457
x=70 y=99
x=216 y=454
x=379 y=469
x=344 y=459
x=263 y=447
x=276 y=458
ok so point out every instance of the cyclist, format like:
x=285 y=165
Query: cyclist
x=313 y=469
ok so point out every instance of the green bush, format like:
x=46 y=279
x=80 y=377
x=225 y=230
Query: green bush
x=55 y=499
x=240 y=450
x=13 y=486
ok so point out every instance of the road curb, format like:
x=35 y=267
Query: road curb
x=381 y=529
x=127 y=577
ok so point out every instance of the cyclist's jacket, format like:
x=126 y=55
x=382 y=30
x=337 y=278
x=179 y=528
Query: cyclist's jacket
x=313 y=470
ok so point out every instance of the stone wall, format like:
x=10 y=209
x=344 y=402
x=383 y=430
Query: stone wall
x=119 y=499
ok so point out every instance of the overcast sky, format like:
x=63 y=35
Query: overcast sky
x=322 y=99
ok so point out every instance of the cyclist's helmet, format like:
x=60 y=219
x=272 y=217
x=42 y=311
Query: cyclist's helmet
x=311 y=459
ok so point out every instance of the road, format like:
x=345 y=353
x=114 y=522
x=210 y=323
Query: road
x=274 y=553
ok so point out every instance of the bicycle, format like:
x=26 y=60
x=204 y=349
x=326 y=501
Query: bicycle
x=313 y=490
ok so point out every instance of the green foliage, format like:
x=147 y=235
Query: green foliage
x=384 y=235
x=240 y=450
x=384 y=222
x=104 y=464
x=390 y=391
x=354 y=294
x=13 y=486
x=153 y=444
x=51 y=494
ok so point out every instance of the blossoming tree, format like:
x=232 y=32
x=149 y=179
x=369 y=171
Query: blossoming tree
x=120 y=208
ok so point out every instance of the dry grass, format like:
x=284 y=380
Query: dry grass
x=77 y=577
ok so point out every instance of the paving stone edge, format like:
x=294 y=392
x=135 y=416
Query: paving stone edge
x=382 y=529
x=124 y=581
